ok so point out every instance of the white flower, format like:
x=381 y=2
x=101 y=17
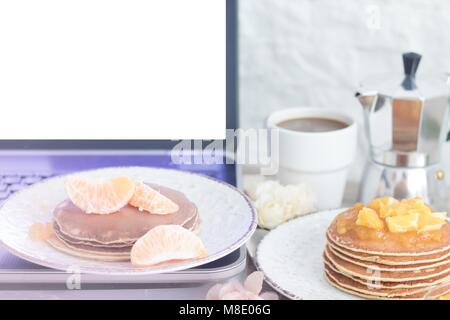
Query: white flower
x=276 y=203
x=234 y=290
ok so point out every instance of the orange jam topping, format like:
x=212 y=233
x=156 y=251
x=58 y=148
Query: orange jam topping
x=369 y=218
x=410 y=221
x=41 y=231
x=446 y=297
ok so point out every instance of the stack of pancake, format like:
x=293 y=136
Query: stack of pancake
x=387 y=269
x=110 y=237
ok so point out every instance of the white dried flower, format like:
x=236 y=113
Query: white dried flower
x=276 y=203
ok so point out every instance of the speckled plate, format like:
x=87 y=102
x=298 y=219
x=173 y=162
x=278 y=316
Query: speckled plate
x=227 y=219
x=291 y=258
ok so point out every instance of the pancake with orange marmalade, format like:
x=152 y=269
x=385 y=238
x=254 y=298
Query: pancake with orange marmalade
x=388 y=249
x=345 y=233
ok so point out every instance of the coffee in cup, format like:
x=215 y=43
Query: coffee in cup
x=310 y=124
x=316 y=146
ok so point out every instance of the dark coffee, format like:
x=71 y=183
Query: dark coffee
x=312 y=124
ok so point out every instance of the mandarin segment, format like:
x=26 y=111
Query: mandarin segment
x=379 y=203
x=421 y=210
x=439 y=214
x=396 y=209
x=403 y=223
x=430 y=222
x=148 y=199
x=369 y=218
x=165 y=244
x=99 y=196
x=413 y=202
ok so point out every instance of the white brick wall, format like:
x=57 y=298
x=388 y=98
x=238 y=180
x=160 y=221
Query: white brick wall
x=314 y=52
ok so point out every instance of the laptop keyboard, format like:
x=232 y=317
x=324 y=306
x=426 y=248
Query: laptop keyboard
x=10 y=183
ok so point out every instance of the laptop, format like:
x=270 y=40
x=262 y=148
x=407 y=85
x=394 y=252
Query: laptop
x=25 y=162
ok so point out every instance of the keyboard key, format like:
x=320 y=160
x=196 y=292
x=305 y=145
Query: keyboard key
x=31 y=179
x=16 y=187
x=10 y=183
x=10 y=179
x=4 y=195
x=45 y=176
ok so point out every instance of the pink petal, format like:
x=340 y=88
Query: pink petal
x=235 y=295
x=230 y=287
x=213 y=292
x=252 y=296
x=254 y=282
x=269 y=295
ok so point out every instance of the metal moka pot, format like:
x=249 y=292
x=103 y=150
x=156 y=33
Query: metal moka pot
x=406 y=121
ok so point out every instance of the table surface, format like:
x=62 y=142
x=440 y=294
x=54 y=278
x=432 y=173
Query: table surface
x=187 y=292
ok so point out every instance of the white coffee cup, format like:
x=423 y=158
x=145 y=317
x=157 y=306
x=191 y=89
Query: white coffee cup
x=319 y=159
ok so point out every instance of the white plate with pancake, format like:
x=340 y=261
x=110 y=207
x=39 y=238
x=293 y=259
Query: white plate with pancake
x=291 y=256
x=227 y=219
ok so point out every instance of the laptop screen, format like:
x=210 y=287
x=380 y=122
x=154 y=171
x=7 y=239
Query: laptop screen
x=116 y=74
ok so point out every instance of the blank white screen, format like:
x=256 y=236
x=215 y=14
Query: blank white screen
x=112 y=69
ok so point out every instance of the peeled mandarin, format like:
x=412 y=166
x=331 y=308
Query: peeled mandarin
x=421 y=210
x=413 y=202
x=395 y=209
x=148 y=199
x=378 y=203
x=439 y=214
x=99 y=196
x=165 y=244
x=430 y=222
x=369 y=218
x=403 y=223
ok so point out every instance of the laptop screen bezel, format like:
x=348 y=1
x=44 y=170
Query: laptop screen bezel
x=231 y=105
